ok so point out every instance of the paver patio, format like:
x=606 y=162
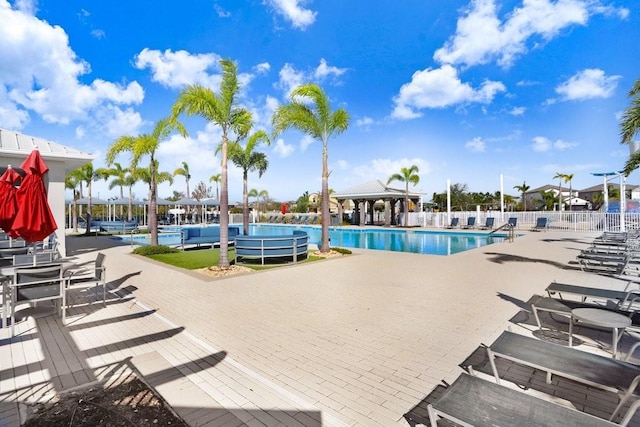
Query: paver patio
x=359 y=340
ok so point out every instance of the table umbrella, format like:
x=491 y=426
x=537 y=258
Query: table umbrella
x=34 y=220
x=8 y=200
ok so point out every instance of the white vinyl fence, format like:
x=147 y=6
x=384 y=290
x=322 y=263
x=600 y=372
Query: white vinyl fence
x=573 y=221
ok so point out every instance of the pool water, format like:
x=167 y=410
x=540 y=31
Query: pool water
x=414 y=241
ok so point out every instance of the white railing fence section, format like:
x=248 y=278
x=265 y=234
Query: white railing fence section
x=562 y=221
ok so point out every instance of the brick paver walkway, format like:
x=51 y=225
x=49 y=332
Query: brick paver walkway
x=360 y=340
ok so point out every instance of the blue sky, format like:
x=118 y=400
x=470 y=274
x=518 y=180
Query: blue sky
x=465 y=90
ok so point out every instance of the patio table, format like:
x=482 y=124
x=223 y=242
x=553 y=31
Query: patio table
x=602 y=318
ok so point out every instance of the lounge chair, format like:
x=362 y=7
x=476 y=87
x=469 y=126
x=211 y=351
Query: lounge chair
x=471 y=401
x=622 y=299
x=541 y=224
x=612 y=262
x=488 y=225
x=580 y=366
x=471 y=223
x=513 y=221
x=454 y=223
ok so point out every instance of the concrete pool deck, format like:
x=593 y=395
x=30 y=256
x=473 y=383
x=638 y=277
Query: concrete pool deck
x=359 y=340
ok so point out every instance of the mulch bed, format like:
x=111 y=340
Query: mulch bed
x=131 y=403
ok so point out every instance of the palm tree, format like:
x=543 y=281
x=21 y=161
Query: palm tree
x=88 y=174
x=318 y=121
x=630 y=126
x=119 y=175
x=567 y=179
x=129 y=181
x=547 y=201
x=146 y=145
x=249 y=160
x=559 y=176
x=222 y=110
x=216 y=178
x=406 y=175
x=184 y=171
x=73 y=182
x=523 y=190
x=258 y=195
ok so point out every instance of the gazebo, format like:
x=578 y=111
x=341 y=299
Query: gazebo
x=15 y=147
x=365 y=196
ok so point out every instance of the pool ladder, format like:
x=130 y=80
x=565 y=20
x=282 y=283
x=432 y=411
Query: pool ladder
x=511 y=228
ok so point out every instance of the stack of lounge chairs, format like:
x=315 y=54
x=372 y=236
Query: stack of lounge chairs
x=611 y=253
x=492 y=400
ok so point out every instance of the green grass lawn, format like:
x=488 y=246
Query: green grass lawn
x=193 y=259
x=201 y=258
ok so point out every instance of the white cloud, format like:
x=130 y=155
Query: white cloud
x=561 y=145
x=222 y=13
x=542 y=144
x=342 y=165
x=588 y=84
x=98 y=34
x=290 y=78
x=476 y=145
x=305 y=142
x=482 y=37
x=517 y=111
x=365 y=121
x=324 y=70
x=120 y=122
x=293 y=11
x=13 y=117
x=282 y=149
x=262 y=68
x=178 y=69
x=262 y=113
x=439 y=88
x=382 y=169
x=43 y=73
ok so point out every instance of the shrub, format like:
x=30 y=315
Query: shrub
x=154 y=250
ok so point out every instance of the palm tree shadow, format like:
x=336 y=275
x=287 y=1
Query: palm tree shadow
x=502 y=258
x=524 y=305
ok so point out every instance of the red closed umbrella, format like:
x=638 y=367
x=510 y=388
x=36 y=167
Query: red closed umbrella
x=34 y=220
x=283 y=208
x=8 y=200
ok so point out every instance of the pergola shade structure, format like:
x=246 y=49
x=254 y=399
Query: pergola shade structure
x=365 y=196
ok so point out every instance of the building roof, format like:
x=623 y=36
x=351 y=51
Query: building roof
x=372 y=190
x=546 y=187
x=599 y=187
x=18 y=146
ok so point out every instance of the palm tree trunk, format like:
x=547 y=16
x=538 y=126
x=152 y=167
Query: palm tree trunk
x=324 y=246
x=245 y=205
x=406 y=204
x=130 y=205
x=75 y=215
x=152 y=217
x=122 y=206
x=224 y=208
x=570 y=196
x=88 y=228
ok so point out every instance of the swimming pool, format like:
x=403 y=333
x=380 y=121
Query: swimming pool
x=411 y=240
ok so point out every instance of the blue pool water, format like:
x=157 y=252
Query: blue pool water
x=415 y=241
